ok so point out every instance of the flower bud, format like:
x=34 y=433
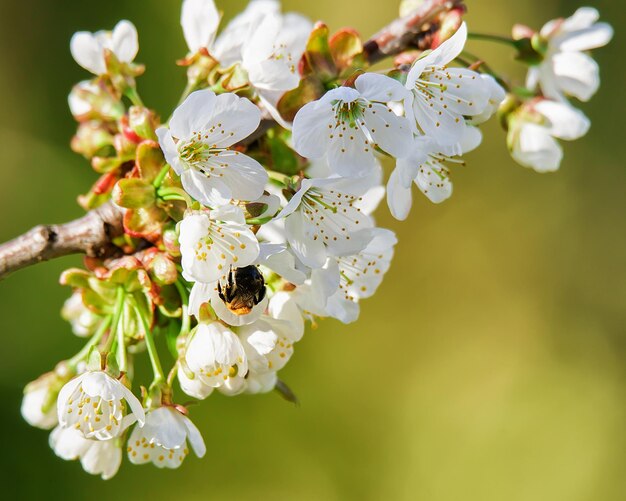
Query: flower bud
x=164 y=270
x=134 y=194
x=170 y=241
x=38 y=404
x=84 y=322
x=92 y=139
x=90 y=100
x=142 y=122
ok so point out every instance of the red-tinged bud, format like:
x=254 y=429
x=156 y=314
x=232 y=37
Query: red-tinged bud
x=143 y=122
x=128 y=132
x=450 y=23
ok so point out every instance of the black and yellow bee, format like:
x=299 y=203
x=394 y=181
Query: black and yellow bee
x=242 y=290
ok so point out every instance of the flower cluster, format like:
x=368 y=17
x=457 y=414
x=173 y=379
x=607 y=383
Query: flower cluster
x=249 y=212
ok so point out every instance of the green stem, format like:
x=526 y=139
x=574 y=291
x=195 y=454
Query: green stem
x=121 y=349
x=161 y=177
x=117 y=315
x=184 y=298
x=95 y=339
x=174 y=194
x=132 y=94
x=259 y=221
x=492 y=38
x=151 y=347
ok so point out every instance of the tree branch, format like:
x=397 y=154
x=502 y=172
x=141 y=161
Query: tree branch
x=93 y=233
x=405 y=31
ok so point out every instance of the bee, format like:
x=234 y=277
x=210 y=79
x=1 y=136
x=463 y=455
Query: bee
x=243 y=289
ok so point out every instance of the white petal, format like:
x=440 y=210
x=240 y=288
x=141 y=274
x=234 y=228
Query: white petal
x=392 y=133
x=193 y=114
x=576 y=74
x=168 y=146
x=399 y=198
x=87 y=52
x=311 y=252
x=380 y=88
x=593 y=37
x=566 y=122
x=233 y=118
x=195 y=438
x=535 y=148
x=209 y=191
x=124 y=41
x=245 y=177
x=312 y=128
x=199 y=19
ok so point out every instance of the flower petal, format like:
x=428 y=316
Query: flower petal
x=124 y=41
x=199 y=19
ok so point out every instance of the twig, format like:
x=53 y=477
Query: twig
x=405 y=31
x=93 y=234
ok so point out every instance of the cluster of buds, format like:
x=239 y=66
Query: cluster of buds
x=248 y=213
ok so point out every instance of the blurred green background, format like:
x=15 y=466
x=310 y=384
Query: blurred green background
x=490 y=366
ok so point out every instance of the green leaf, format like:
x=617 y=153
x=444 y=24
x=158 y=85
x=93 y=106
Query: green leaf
x=134 y=193
x=284 y=159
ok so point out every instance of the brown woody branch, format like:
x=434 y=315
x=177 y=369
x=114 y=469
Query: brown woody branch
x=406 y=31
x=93 y=233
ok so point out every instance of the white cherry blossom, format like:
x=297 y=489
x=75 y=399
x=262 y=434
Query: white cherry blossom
x=214 y=356
x=94 y=403
x=566 y=68
x=323 y=218
x=200 y=20
x=361 y=275
x=428 y=168
x=535 y=128
x=348 y=125
x=163 y=439
x=213 y=241
x=88 y=49
x=229 y=44
x=198 y=146
x=441 y=97
x=271 y=56
x=97 y=457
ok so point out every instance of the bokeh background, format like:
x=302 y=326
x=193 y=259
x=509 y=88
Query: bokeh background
x=490 y=366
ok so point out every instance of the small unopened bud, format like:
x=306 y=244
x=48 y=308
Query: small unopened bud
x=134 y=194
x=170 y=242
x=164 y=270
x=38 y=404
x=142 y=122
x=92 y=139
x=90 y=100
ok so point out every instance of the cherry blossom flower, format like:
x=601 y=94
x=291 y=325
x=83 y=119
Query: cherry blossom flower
x=213 y=241
x=198 y=146
x=88 y=49
x=429 y=168
x=349 y=124
x=200 y=20
x=214 y=356
x=163 y=439
x=97 y=457
x=441 y=97
x=94 y=403
x=361 y=275
x=322 y=218
x=496 y=95
x=534 y=128
x=271 y=56
x=229 y=44
x=566 y=68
